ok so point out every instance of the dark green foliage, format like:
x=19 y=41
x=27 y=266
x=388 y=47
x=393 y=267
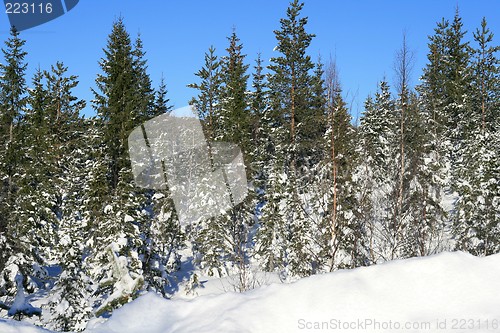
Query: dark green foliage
x=291 y=125
x=14 y=230
x=118 y=205
x=161 y=102
x=207 y=102
x=419 y=175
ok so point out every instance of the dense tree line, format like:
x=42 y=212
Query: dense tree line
x=419 y=175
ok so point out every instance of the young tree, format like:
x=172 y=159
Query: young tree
x=261 y=136
x=161 y=102
x=207 y=103
x=379 y=135
x=486 y=80
x=335 y=198
x=144 y=94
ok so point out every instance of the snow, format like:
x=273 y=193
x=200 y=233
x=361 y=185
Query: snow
x=108 y=209
x=128 y=218
x=12 y=326
x=431 y=294
x=20 y=304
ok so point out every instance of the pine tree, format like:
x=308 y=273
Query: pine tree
x=70 y=296
x=449 y=106
x=236 y=121
x=36 y=204
x=235 y=117
x=424 y=218
x=162 y=234
x=476 y=226
x=285 y=221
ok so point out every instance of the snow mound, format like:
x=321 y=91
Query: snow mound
x=448 y=286
x=441 y=293
x=12 y=326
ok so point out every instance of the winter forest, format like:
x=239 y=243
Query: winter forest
x=417 y=175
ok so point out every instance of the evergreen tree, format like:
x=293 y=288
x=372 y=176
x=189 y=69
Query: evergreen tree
x=161 y=102
x=207 y=103
x=340 y=234
x=260 y=132
x=36 y=204
x=285 y=221
x=19 y=255
x=235 y=118
x=379 y=135
x=71 y=295
x=222 y=240
x=144 y=92
x=446 y=84
x=486 y=80
x=476 y=225
x=120 y=214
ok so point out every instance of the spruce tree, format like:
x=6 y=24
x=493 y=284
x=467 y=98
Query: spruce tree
x=486 y=80
x=207 y=103
x=144 y=92
x=379 y=135
x=161 y=102
x=20 y=254
x=260 y=133
x=236 y=121
x=37 y=203
x=476 y=219
x=222 y=240
x=116 y=236
x=235 y=117
x=71 y=295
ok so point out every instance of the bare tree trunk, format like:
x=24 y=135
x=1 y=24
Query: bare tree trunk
x=402 y=166
x=403 y=66
x=332 y=89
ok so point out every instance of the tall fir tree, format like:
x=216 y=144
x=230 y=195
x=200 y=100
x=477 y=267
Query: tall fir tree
x=476 y=226
x=486 y=80
x=116 y=237
x=19 y=255
x=144 y=92
x=285 y=244
x=207 y=103
x=379 y=137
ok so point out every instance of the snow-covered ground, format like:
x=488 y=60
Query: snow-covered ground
x=449 y=292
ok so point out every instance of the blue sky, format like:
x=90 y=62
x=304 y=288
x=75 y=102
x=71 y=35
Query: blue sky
x=363 y=36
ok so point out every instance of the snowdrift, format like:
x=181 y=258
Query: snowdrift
x=448 y=292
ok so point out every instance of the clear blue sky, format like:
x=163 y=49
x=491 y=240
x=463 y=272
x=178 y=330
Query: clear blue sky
x=362 y=35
